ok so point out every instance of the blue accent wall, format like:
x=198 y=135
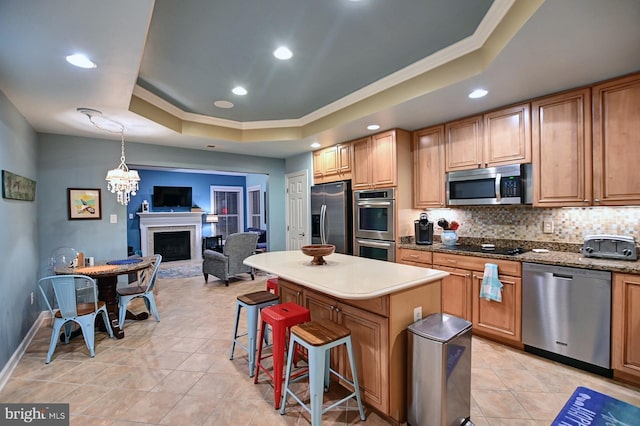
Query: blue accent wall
x=200 y=184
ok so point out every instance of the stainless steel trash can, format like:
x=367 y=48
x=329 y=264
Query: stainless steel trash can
x=439 y=369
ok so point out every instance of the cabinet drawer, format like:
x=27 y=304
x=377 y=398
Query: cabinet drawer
x=378 y=305
x=505 y=267
x=416 y=256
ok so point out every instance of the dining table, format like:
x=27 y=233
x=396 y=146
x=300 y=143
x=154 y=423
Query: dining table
x=106 y=275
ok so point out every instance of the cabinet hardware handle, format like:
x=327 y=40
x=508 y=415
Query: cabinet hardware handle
x=413 y=255
x=452 y=261
x=597 y=200
x=585 y=201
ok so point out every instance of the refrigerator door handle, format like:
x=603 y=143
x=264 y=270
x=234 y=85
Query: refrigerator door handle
x=323 y=215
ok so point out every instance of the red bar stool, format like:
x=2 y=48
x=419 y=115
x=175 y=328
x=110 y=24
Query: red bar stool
x=272 y=285
x=281 y=318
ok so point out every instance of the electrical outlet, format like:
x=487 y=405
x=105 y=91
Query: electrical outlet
x=130 y=215
x=417 y=313
x=32 y=298
x=547 y=226
x=113 y=218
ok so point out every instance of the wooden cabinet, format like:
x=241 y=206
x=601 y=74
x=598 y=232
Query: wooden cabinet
x=463 y=144
x=289 y=292
x=496 y=138
x=461 y=295
x=428 y=168
x=616 y=126
x=379 y=335
x=625 y=329
x=457 y=292
x=332 y=163
x=376 y=159
x=415 y=257
x=562 y=149
x=499 y=319
x=507 y=136
x=369 y=334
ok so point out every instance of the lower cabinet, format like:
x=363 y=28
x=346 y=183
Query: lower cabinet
x=625 y=333
x=289 y=292
x=500 y=321
x=369 y=334
x=379 y=336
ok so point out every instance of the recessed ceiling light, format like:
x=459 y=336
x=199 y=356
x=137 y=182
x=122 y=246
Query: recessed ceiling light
x=80 y=60
x=373 y=127
x=239 y=90
x=478 y=93
x=223 y=104
x=283 y=53
x=315 y=145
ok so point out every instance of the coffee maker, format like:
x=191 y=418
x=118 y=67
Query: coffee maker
x=424 y=230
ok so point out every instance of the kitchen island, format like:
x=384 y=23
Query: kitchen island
x=375 y=300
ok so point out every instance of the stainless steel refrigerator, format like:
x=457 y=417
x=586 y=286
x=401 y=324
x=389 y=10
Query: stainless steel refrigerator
x=331 y=215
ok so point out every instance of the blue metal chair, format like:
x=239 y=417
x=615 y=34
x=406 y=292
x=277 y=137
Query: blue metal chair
x=73 y=298
x=144 y=289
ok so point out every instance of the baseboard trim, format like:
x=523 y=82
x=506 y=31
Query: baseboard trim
x=11 y=365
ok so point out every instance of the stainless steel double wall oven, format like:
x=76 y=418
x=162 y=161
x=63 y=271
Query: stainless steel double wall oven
x=374 y=224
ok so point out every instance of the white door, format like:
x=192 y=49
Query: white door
x=297 y=213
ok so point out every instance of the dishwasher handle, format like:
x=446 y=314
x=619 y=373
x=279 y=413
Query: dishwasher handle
x=563 y=276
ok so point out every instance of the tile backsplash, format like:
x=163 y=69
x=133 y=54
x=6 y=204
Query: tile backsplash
x=570 y=225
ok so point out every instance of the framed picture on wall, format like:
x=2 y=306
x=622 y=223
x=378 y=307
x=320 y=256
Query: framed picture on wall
x=84 y=204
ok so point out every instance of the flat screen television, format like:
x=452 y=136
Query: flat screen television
x=171 y=196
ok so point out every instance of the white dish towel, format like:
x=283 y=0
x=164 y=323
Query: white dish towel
x=491 y=288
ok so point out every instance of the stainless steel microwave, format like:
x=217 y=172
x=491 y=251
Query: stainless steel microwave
x=491 y=186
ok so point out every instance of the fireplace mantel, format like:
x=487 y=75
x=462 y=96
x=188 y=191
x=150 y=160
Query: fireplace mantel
x=153 y=222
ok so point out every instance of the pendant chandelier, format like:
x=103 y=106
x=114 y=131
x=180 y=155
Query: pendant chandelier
x=120 y=181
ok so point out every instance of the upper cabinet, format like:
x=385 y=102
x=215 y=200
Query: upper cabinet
x=561 y=128
x=375 y=159
x=332 y=163
x=616 y=129
x=496 y=138
x=464 y=144
x=428 y=168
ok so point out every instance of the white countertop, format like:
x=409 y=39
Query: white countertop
x=344 y=276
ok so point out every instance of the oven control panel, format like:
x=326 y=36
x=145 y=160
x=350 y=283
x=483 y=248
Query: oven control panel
x=606 y=246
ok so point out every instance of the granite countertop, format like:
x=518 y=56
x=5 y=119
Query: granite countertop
x=559 y=254
x=344 y=276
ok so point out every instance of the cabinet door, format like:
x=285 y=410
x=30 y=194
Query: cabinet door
x=428 y=168
x=616 y=126
x=331 y=160
x=318 y=164
x=369 y=334
x=383 y=159
x=507 y=136
x=344 y=157
x=499 y=319
x=289 y=292
x=625 y=333
x=361 y=178
x=562 y=150
x=464 y=144
x=456 y=292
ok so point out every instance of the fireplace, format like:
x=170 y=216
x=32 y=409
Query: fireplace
x=156 y=223
x=172 y=245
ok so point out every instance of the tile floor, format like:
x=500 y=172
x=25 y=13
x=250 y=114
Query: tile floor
x=178 y=372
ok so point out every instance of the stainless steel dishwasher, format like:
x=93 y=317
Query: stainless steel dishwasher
x=566 y=315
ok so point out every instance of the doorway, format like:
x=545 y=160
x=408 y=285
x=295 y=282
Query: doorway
x=297 y=211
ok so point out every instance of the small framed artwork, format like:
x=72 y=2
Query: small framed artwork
x=16 y=187
x=84 y=204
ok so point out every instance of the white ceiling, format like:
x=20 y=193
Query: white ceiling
x=354 y=63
